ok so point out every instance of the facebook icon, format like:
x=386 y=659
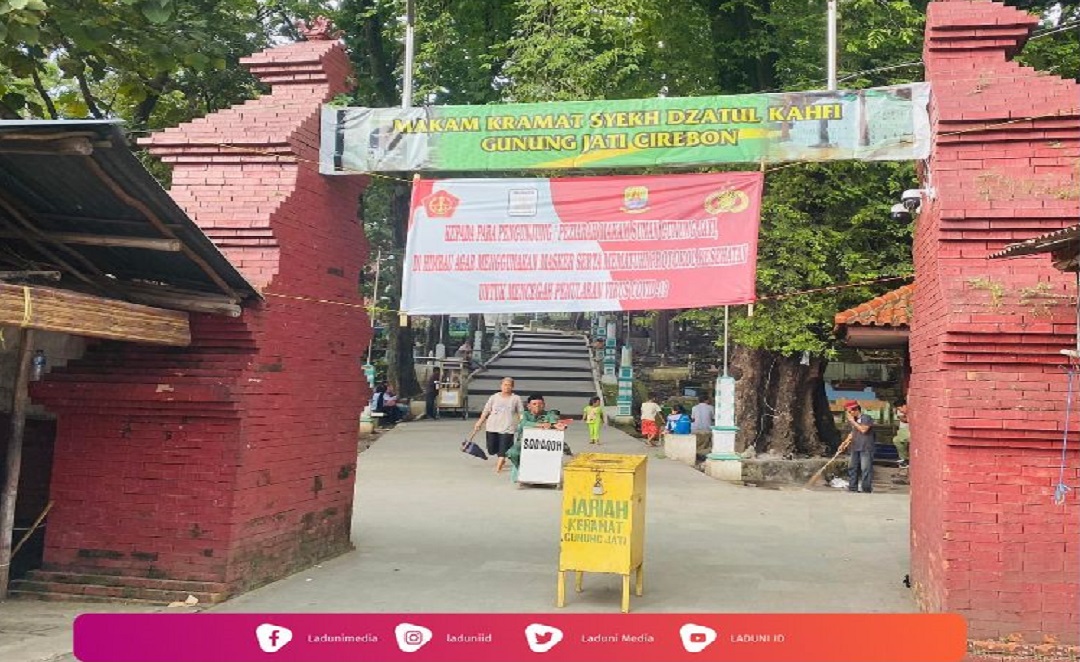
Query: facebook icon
x=272 y=638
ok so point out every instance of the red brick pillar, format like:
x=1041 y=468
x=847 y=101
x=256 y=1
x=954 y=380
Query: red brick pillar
x=987 y=388
x=231 y=462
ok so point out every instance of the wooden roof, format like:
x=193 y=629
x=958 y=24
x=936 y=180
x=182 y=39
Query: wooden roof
x=77 y=203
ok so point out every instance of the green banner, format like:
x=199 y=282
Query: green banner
x=877 y=124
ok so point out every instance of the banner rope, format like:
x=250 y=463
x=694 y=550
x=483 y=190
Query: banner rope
x=845 y=286
x=346 y=304
x=774 y=297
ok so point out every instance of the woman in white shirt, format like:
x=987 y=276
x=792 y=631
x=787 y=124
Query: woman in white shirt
x=501 y=414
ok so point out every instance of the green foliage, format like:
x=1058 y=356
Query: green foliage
x=160 y=62
x=154 y=63
x=1054 y=48
x=566 y=50
x=822 y=225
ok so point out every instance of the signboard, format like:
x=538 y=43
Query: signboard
x=603 y=518
x=581 y=244
x=459 y=327
x=875 y=124
x=541 y=456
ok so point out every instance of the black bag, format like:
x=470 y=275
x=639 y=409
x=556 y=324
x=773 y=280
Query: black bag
x=469 y=446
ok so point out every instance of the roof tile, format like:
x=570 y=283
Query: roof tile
x=892 y=309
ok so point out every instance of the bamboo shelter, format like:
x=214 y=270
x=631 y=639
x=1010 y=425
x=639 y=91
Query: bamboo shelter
x=92 y=246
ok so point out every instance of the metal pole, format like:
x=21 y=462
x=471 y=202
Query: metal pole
x=831 y=39
x=726 y=308
x=374 y=303
x=14 y=456
x=410 y=34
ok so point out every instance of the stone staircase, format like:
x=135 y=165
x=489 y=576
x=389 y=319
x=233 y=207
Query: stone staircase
x=78 y=587
x=891 y=480
x=555 y=365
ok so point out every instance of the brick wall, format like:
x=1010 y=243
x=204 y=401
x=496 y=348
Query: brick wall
x=231 y=461
x=987 y=390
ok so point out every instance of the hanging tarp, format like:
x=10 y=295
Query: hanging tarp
x=876 y=124
x=580 y=244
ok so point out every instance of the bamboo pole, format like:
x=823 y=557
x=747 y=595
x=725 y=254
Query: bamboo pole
x=14 y=456
x=51 y=309
x=110 y=241
x=33 y=527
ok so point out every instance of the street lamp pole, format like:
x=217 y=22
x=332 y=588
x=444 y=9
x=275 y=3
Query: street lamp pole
x=831 y=44
x=410 y=34
x=374 y=304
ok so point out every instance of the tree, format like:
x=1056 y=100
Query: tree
x=564 y=50
x=823 y=225
x=1053 y=48
x=459 y=46
x=153 y=63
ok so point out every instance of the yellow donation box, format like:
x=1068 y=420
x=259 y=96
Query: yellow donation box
x=603 y=520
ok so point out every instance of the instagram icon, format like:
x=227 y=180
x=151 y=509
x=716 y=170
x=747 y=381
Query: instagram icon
x=410 y=637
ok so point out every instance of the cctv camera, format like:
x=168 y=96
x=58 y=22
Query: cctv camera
x=900 y=212
x=911 y=199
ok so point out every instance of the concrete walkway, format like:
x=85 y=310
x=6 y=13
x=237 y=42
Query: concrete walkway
x=438 y=531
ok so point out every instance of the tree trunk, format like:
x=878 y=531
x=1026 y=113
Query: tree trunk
x=781 y=408
x=748 y=369
x=782 y=438
x=828 y=436
x=661 y=335
x=400 y=369
x=431 y=335
x=438 y=331
x=476 y=323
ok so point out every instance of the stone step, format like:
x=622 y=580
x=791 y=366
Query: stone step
x=62 y=577
x=525 y=386
x=493 y=376
x=568 y=406
x=106 y=593
x=119 y=587
x=558 y=355
x=544 y=347
x=574 y=366
x=71 y=597
x=529 y=336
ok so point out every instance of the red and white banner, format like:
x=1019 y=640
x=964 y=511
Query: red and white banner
x=582 y=244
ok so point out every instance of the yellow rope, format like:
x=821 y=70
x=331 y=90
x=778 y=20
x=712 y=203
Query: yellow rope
x=370 y=309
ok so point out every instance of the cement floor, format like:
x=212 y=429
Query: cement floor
x=438 y=531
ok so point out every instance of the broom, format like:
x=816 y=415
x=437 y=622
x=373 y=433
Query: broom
x=817 y=475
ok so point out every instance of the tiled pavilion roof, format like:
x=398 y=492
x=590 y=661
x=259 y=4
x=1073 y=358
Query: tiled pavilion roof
x=892 y=309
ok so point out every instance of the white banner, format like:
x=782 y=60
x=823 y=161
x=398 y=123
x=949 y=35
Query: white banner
x=582 y=244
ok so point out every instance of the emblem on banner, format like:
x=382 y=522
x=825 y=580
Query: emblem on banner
x=441 y=204
x=727 y=202
x=635 y=199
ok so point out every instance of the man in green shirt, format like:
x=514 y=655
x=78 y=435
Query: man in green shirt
x=535 y=416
